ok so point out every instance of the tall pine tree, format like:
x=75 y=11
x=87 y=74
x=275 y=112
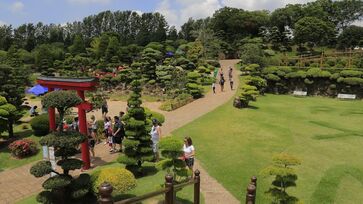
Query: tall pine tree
x=138 y=141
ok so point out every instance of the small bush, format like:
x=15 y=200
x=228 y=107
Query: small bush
x=40 y=125
x=121 y=179
x=155 y=115
x=248 y=93
x=177 y=102
x=23 y=148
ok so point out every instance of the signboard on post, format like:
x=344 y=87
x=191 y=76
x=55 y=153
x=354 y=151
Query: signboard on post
x=45 y=153
x=52 y=160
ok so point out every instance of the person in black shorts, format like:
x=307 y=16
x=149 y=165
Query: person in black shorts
x=118 y=133
x=104 y=108
x=221 y=83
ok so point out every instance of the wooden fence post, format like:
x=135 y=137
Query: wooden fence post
x=197 y=187
x=169 y=195
x=251 y=193
x=254 y=182
x=105 y=192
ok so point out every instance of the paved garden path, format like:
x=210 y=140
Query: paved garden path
x=17 y=183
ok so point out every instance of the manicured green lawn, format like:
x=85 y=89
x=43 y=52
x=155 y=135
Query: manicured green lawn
x=326 y=134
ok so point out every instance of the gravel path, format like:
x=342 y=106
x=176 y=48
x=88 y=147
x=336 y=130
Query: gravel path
x=17 y=183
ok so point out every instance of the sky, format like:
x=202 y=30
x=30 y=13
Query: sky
x=177 y=12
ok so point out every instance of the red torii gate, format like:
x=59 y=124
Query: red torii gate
x=80 y=85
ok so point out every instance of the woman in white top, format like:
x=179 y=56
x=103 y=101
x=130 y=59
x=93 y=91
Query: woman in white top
x=189 y=152
x=155 y=137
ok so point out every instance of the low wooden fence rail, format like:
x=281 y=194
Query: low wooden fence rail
x=105 y=192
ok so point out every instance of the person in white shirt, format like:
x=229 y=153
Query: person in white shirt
x=189 y=152
x=155 y=137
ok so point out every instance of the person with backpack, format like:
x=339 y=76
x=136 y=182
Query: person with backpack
x=214 y=87
x=221 y=83
x=118 y=134
x=104 y=108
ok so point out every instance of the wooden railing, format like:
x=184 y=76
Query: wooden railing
x=105 y=192
x=251 y=191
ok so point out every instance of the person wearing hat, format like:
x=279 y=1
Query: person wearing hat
x=155 y=137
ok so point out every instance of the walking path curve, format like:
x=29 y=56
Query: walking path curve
x=17 y=183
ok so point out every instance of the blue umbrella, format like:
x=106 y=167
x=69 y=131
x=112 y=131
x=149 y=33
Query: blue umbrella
x=37 y=90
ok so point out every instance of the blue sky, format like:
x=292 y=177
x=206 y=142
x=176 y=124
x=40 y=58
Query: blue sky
x=16 y=12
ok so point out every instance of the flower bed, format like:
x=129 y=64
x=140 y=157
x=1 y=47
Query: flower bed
x=23 y=148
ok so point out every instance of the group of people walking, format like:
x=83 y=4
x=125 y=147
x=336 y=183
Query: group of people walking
x=222 y=79
x=114 y=134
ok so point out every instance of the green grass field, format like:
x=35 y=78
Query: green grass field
x=326 y=134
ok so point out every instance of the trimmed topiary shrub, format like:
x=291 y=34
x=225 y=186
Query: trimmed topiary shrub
x=40 y=125
x=154 y=115
x=172 y=151
x=138 y=140
x=248 y=93
x=193 y=86
x=61 y=188
x=23 y=148
x=179 y=101
x=256 y=81
x=121 y=179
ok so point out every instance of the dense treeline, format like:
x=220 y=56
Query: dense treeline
x=129 y=27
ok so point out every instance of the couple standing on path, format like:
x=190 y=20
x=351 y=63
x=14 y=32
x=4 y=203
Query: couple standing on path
x=222 y=80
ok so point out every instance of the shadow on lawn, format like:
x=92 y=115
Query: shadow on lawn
x=343 y=132
x=253 y=107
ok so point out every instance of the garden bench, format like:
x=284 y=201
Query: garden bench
x=346 y=96
x=300 y=93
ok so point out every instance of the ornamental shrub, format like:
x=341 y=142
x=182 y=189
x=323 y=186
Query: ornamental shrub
x=179 y=101
x=121 y=179
x=138 y=141
x=256 y=81
x=62 y=188
x=154 y=115
x=23 y=148
x=40 y=125
x=351 y=73
x=248 y=93
x=193 y=86
x=285 y=177
x=172 y=152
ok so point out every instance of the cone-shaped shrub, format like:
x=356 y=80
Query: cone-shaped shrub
x=137 y=127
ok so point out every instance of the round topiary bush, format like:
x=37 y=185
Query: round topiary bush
x=155 y=115
x=40 y=125
x=121 y=179
x=23 y=148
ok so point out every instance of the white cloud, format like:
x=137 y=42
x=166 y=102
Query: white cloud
x=17 y=7
x=2 y=23
x=186 y=9
x=261 y=4
x=358 y=23
x=177 y=12
x=89 y=1
x=138 y=12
